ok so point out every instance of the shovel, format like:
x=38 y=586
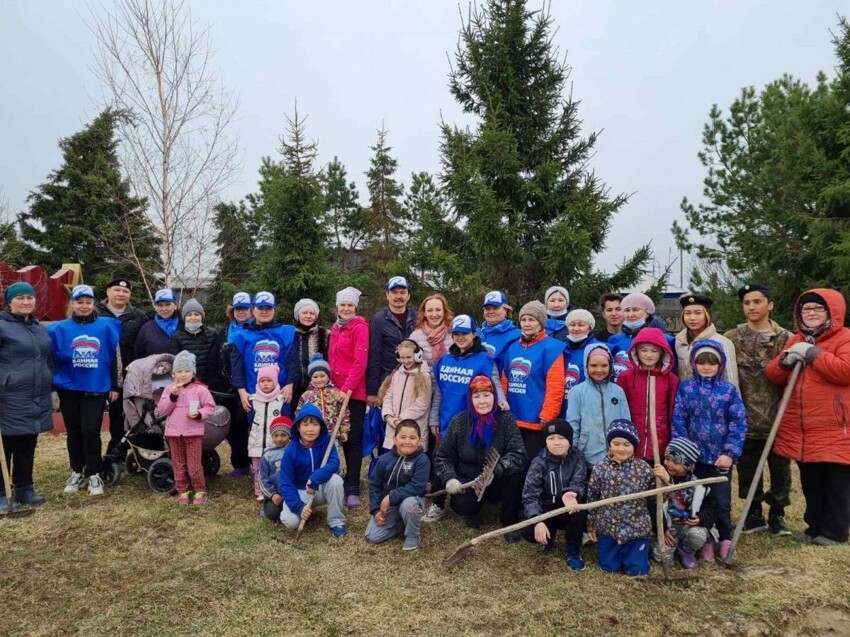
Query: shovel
x=659 y=501
x=768 y=445
x=10 y=511
x=481 y=481
x=466 y=548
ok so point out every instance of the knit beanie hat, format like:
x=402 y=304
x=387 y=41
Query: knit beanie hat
x=621 y=428
x=305 y=304
x=536 y=310
x=706 y=349
x=281 y=423
x=318 y=364
x=683 y=452
x=559 y=426
x=581 y=315
x=184 y=361
x=556 y=288
x=807 y=297
x=20 y=288
x=638 y=299
x=192 y=305
x=349 y=294
x=268 y=371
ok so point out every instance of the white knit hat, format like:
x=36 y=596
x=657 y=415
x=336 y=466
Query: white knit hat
x=349 y=294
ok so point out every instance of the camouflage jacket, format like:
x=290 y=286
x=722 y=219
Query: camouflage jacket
x=754 y=350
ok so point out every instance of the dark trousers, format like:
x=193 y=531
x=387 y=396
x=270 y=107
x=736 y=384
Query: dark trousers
x=534 y=441
x=237 y=437
x=505 y=489
x=826 y=487
x=83 y=414
x=116 y=423
x=434 y=479
x=353 y=447
x=20 y=458
x=723 y=492
x=571 y=524
x=779 y=495
x=271 y=511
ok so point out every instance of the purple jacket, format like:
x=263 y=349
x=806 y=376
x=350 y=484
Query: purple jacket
x=710 y=411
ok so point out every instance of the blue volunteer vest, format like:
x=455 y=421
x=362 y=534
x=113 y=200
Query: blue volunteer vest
x=83 y=354
x=264 y=347
x=453 y=374
x=526 y=369
x=497 y=338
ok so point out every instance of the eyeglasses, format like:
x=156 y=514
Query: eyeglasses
x=813 y=309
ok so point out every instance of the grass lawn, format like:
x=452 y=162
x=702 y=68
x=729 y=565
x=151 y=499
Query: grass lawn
x=133 y=563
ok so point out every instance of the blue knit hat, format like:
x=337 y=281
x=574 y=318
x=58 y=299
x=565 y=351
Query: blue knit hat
x=318 y=364
x=20 y=288
x=621 y=428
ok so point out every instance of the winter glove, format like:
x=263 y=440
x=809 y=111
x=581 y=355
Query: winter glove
x=796 y=354
x=453 y=487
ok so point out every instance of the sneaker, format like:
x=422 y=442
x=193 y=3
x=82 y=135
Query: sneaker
x=352 y=501
x=434 y=513
x=822 y=540
x=184 y=498
x=689 y=562
x=706 y=553
x=513 y=537
x=777 y=525
x=200 y=497
x=572 y=554
x=339 y=531
x=410 y=544
x=95 y=485
x=725 y=547
x=755 y=521
x=73 y=484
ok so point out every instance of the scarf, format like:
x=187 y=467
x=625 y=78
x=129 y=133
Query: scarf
x=343 y=322
x=481 y=426
x=167 y=325
x=263 y=397
x=437 y=339
x=811 y=334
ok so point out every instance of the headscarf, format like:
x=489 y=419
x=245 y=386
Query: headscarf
x=482 y=426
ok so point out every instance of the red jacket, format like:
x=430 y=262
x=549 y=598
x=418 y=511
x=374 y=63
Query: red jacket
x=348 y=355
x=816 y=423
x=635 y=384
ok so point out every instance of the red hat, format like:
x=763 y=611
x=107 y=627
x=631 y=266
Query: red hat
x=281 y=423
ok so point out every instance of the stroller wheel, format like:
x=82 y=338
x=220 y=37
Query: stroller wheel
x=211 y=462
x=131 y=465
x=111 y=472
x=161 y=476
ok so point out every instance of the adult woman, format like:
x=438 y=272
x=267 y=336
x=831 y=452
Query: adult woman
x=580 y=324
x=154 y=336
x=433 y=328
x=348 y=355
x=814 y=428
x=310 y=339
x=87 y=362
x=696 y=317
x=498 y=330
x=557 y=301
x=460 y=457
x=26 y=376
x=199 y=339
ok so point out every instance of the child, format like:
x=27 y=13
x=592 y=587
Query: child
x=556 y=478
x=301 y=473
x=280 y=430
x=397 y=488
x=267 y=405
x=690 y=513
x=407 y=393
x=623 y=530
x=709 y=411
x=595 y=403
x=186 y=404
x=322 y=393
x=650 y=355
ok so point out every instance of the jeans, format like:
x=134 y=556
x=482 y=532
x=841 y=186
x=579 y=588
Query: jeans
x=331 y=493
x=83 y=415
x=405 y=518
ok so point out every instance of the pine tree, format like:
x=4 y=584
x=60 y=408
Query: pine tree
x=386 y=215
x=346 y=219
x=532 y=211
x=85 y=212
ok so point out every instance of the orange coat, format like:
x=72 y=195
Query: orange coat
x=816 y=423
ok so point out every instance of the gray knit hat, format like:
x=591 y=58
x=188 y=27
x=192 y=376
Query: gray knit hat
x=581 y=315
x=192 y=305
x=683 y=452
x=305 y=304
x=318 y=364
x=184 y=361
x=536 y=310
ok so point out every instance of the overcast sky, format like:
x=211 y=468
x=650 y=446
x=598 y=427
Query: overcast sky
x=646 y=73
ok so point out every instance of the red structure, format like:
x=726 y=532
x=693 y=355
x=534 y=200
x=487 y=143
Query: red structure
x=52 y=292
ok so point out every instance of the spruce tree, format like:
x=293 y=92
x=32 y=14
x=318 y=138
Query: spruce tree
x=533 y=213
x=85 y=212
x=386 y=215
x=236 y=237
x=347 y=221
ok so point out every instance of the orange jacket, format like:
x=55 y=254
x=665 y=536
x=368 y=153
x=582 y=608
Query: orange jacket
x=816 y=423
x=554 y=393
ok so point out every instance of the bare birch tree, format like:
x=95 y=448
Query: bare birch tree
x=155 y=63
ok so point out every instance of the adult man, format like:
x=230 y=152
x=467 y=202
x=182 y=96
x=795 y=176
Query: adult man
x=387 y=329
x=117 y=305
x=757 y=342
x=612 y=312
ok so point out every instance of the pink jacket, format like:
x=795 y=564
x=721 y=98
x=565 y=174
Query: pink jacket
x=177 y=421
x=348 y=355
x=399 y=403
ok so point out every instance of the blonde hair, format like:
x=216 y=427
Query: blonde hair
x=419 y=386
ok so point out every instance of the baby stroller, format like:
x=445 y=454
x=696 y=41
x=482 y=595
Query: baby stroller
x=143 y=386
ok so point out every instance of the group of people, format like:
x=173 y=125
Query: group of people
x=575 y=414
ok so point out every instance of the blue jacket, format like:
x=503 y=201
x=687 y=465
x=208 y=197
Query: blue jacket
x=620 y=343
x=385 y=334
x=497 y=338
x=84 y=354
x=452 y=374
x=26 y=377
x=592 y=406
x=270 y=471
x=710 y=411
x=151 y=340
x=574 y=366
x=255 y=346
x=301 y=466
x=399 y=477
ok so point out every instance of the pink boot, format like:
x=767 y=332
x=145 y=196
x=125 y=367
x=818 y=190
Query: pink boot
x=725 y=545
x=707 y=551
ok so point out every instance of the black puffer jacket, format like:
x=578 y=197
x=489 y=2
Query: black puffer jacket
x=131 y=322
x=550 y=477
x=455 y=457
x=203 y=346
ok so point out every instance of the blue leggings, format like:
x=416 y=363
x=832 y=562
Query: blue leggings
x=631 y=557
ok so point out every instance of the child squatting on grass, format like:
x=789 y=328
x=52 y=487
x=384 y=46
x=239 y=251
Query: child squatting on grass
x=186 y=404
x=302 y=475
x=397 y=488
x=266 y=405
x=280 y=429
